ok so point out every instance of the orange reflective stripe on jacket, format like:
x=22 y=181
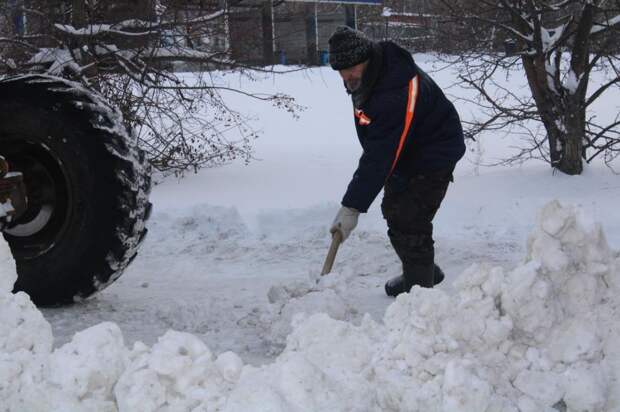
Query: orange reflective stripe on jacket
x=361 y=116
x=414 y=88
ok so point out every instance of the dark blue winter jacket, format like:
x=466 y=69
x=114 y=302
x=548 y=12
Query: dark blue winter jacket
x=435 y=139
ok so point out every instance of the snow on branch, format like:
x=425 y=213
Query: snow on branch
x=143 y=24
x=95 y=30
x=525 y=37
x=558 y=6
x=131 y=27
x=18 y=42
x=183 y=53
x=599 y=27
x=551 y=38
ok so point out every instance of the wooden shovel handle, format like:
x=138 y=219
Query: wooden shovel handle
x=331 y=255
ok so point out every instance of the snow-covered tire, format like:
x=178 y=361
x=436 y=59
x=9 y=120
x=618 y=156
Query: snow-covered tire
x=87 y=183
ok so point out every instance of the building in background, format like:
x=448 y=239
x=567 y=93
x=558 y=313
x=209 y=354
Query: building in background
x=290 y=32
x=409 y=22
x=252 y=32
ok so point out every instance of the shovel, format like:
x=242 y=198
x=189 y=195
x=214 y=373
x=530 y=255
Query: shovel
x=331 y=255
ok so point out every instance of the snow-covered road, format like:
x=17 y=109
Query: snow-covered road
x=207 y=269
x=220 y=239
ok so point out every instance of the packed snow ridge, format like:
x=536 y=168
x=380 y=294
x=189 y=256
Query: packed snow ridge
x=541 y=337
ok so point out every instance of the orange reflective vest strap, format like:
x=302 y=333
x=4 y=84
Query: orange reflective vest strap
x=414 y=88
x=361 y=116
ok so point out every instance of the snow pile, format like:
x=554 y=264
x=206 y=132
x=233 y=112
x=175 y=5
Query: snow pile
x=539 y=338
x=179 y=373
x=79 y=376
x=542 y=337
x=294 y=300
x=8 y=275
x=25 y=339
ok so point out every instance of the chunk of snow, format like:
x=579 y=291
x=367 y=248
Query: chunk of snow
x=8 y=273
x=596 y=28
x=572 y=82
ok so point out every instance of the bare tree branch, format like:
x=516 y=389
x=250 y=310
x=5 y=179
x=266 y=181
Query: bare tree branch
x=128 y=51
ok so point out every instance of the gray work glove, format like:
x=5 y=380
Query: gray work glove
x=345 y=222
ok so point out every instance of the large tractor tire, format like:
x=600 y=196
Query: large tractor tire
x=87 y=186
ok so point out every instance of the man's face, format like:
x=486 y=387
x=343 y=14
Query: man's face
x=352 y=76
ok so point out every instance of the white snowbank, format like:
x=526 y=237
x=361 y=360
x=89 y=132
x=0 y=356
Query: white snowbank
x=542 y=337
x=8 y=276
x=293 y=300
x=25 y=341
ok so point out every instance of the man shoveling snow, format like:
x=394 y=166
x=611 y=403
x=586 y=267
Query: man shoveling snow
x=412 y=139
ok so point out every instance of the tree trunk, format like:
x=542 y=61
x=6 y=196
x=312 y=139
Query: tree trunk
x=79 y=14
x=571 y=161
x=562 y=116
x=565 y=126
x=312 y=54
x=546 y=104
x=268 y=34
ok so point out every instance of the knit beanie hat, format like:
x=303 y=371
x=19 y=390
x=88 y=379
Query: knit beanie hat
x=348 y=47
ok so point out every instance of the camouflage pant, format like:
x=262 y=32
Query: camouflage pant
x=409 y=206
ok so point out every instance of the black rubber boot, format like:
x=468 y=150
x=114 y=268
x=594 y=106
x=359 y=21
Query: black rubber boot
x=398 y=284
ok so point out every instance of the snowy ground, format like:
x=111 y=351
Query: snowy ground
x=223 y=242
x=219 y=240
